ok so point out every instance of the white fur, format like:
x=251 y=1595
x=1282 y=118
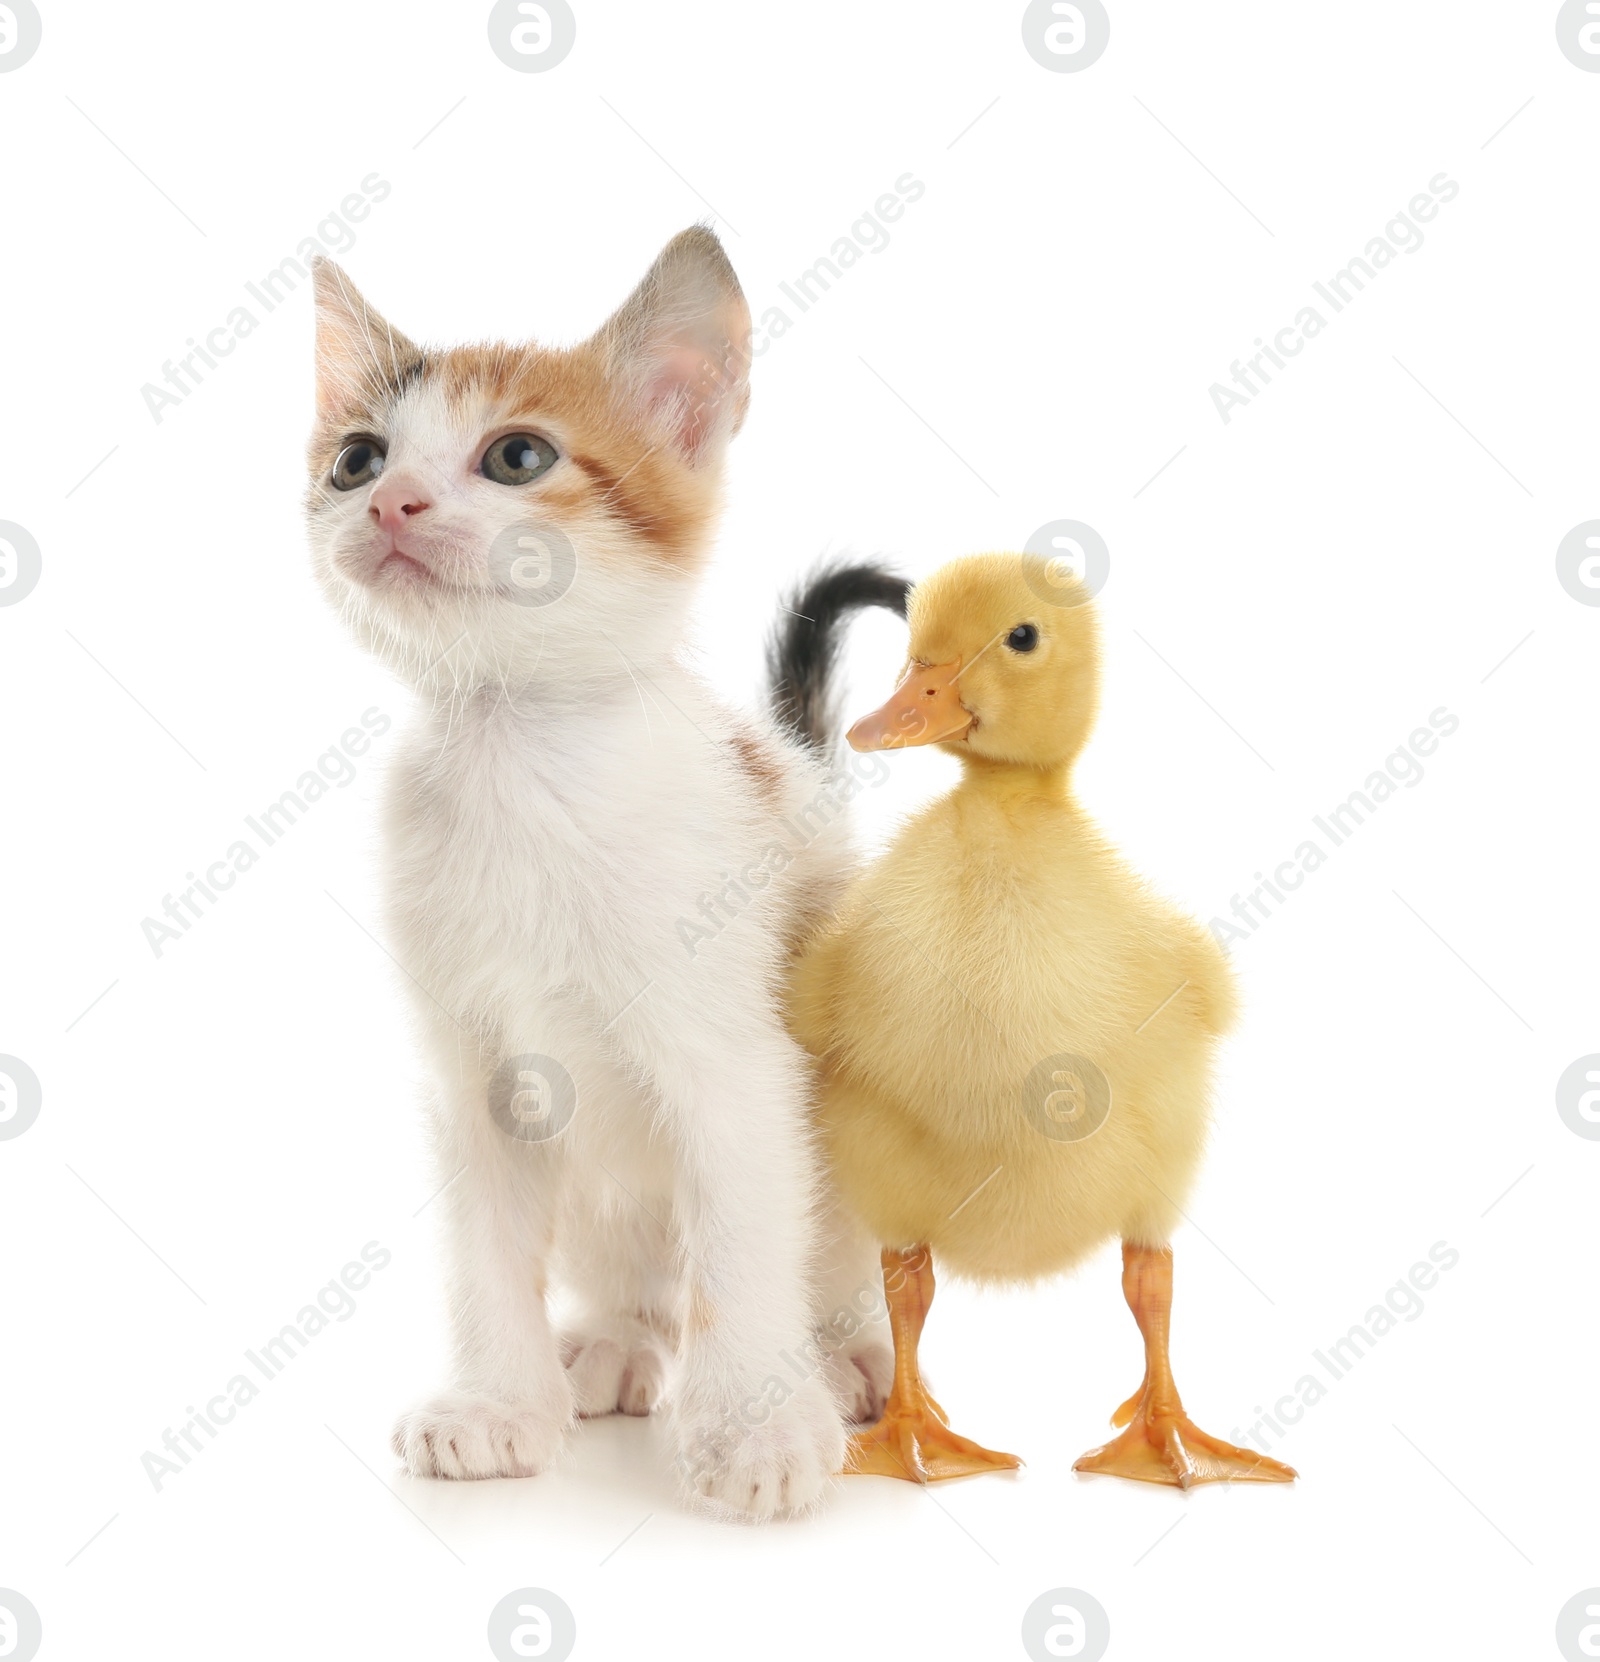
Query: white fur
x=566 y=797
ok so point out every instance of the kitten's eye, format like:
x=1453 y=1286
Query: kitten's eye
x=359 y=463
x=518 y=459
x=1024 y=638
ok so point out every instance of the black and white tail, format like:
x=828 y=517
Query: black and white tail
x=803 y=651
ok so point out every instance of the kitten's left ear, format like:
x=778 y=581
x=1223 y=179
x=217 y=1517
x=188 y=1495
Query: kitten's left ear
x=680 y=344
x=359 y=355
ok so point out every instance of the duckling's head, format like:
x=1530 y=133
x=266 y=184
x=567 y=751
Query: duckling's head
x=1004 y=664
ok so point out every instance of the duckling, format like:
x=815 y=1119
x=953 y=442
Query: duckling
x=1015 y=1035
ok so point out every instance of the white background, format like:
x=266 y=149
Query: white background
x=1365 y=543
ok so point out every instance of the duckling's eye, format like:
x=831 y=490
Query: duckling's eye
x=1024 y=638
x=359 y=463
x=518 y=459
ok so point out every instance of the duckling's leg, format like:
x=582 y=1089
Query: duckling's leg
x=1161 y=1443
x=913 y=1440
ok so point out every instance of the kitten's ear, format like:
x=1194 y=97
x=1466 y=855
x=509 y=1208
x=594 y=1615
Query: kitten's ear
x=680 y=345
x=358 y=353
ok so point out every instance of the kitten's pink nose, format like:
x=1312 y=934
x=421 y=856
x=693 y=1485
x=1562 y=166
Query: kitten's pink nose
x=394 y=500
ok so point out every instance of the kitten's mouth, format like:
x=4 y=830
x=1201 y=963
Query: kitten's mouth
x=404 y=567
x=401 y=573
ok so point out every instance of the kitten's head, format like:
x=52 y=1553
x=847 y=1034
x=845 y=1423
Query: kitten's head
x=496 y=514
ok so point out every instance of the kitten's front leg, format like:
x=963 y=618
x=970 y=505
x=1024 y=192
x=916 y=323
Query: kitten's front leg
x=510 y=1403
x=852 y=1315
x=758 y=1428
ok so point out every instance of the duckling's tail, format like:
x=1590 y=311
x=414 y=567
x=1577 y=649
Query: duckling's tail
x=803 y=651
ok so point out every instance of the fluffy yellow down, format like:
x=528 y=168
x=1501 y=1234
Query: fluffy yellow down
x=998 y=934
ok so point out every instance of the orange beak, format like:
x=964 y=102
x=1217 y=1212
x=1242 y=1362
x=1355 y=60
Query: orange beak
x=925 y=708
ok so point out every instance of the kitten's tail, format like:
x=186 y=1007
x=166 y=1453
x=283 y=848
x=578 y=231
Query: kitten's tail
x=803 y=651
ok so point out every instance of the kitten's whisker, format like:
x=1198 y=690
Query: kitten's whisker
x=633 y=678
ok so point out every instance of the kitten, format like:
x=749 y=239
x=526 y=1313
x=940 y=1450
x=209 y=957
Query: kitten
x=517 y=531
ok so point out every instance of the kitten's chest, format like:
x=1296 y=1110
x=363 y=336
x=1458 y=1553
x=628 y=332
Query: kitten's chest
x=522 y=846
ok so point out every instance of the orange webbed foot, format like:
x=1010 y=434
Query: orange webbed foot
x=914 y=1442
x=1159 y=1443
x=1166 y=1446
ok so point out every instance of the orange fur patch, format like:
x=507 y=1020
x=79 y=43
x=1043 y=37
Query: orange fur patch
x=763 y=767
x=618 y=467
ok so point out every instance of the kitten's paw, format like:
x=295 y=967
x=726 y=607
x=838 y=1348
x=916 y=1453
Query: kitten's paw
x=859 y=1376
x=609 y=1377
x=461 y=1435
x=782 y=1464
